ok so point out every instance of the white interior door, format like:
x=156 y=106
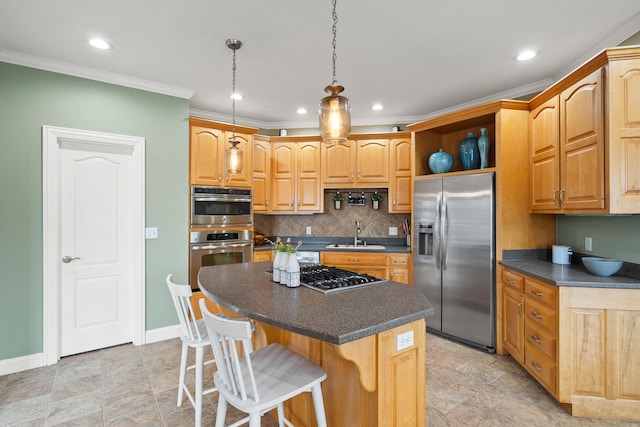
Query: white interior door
x=96 y=289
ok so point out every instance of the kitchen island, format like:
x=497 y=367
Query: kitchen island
x=370 y=340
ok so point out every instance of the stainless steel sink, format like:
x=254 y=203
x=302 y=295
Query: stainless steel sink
x=358 y=248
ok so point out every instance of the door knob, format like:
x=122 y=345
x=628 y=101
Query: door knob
x=67 y=259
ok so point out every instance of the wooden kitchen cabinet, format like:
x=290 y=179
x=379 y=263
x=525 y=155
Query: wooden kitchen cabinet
x=295 y=181
x=400 y=181
x=261 y=163
x=382 y=265
x=207 y=143
x=360 y=163
x=585 y=139
x=262 y=256
x=529 y=325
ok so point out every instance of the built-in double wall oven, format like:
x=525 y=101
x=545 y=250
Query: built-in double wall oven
x=221 y=228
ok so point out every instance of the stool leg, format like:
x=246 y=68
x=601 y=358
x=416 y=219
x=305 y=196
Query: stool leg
x=280 y=415
x=221 y=412
x=254 y=419
x=183 y=371
x=318 y=404
x=199 y=366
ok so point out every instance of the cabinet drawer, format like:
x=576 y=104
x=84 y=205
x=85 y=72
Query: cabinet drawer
x=336 y=258
x=399 y=261
x=512 y=279
x=543 y=342
x=540 y=316
x=538 y=292
x=541 y=369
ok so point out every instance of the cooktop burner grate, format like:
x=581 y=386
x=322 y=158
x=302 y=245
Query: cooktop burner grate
x=327 y=279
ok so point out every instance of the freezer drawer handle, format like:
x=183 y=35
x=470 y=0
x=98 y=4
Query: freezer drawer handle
x=536 y=293
x=536 y=315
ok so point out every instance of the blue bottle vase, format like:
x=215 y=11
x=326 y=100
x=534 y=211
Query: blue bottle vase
x=483 y=147
x=469 y=153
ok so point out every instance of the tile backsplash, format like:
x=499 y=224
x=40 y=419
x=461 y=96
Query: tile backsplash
x=333 y=222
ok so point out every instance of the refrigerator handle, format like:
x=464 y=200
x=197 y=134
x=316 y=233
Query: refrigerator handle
x=437 y=236
x=444 y=233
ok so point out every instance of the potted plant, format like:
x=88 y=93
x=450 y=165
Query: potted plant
x=375 y=200
x=337 y=199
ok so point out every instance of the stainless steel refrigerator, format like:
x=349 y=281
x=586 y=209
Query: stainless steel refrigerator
x=454 y=255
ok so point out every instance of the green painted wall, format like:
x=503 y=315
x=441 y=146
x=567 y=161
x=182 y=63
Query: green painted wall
x=31 y=98
x=613 y=236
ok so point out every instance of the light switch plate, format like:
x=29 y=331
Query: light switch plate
x=393 y=231
x=308 y=230
x=151 y=232
x=587 y=244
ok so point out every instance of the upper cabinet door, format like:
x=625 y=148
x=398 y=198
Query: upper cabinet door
x=261 y=163
x=338 y=164
x=582 y=145
x=400 y=192
x=205 y=156
x=544 y=173
x=372 y=158
x=308 y=186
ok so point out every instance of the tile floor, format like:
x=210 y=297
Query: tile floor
x=128 y=386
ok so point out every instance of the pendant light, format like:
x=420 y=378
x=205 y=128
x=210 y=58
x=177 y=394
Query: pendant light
x=335 y=109
x=233 y=154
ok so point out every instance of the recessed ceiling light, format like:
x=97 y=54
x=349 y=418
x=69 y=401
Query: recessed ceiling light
x=301 y=110
x=237 y=96
x=526 y=55
x=99 y=43
x=377 y=107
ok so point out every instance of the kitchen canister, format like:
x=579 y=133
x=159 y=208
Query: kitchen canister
x=561 y=254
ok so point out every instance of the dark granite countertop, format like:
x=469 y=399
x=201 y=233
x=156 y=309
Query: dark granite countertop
x=317 y=244
x=568 y=275
x=336 y=318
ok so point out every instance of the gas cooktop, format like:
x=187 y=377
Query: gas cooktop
x=327 y=279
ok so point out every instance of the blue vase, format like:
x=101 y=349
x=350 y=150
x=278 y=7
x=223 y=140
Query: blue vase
x=483 y=147
x=469 y=154
x=440 y=162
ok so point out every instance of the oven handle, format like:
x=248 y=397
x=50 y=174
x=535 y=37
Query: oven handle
x=219 y=199
x=220 y=246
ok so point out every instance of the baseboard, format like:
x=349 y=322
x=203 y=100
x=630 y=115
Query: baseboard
x=22 y=363
x=162 y=334
x=37 y=360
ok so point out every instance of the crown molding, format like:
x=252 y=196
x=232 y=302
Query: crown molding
x=46 y=64
x=528 y=89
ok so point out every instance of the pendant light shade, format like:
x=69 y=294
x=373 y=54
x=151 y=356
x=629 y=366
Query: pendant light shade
x=335 y=109
x=233 y=155
x=335 y=116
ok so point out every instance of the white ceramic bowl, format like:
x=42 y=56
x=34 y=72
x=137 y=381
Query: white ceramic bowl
x=602 y=266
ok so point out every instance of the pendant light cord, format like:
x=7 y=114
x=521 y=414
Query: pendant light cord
x=334 y=30
x=233 y=98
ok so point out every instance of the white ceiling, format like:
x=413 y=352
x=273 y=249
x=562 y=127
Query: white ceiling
x=417 y=57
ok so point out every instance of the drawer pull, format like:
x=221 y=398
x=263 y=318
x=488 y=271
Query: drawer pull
x=399 y=261
x=536 y=315
x=536 y=339
x=536 y=293
x=510 y=281
x=520 y=309
x=354 y=260
x=535 y=365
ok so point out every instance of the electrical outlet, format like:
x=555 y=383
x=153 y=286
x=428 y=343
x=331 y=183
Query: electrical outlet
x=393 y=231
x=151 y=232
x=308 y=230
x=404 y=340
x=587 y=244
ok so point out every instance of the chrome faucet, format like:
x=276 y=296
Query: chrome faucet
x=356 y=231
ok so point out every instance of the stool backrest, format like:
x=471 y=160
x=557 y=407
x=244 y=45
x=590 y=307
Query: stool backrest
x=227 y=336
x=181 y=295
